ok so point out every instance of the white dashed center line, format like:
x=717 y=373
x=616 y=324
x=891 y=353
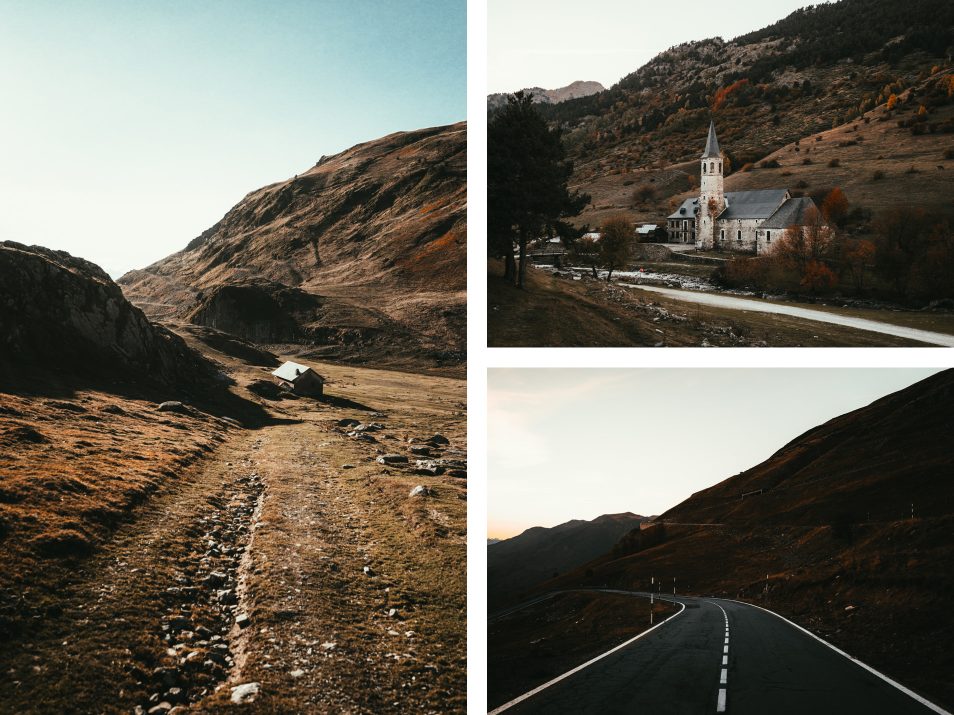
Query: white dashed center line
x=724 y=674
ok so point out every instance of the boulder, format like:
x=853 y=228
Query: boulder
x=172 y=406
x=421 y=491
x=392 y=459
x=245 y=693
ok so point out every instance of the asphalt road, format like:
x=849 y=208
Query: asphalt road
x=733 y=303
x=718 y=652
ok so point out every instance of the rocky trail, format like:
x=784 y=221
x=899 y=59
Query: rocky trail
x=312 y=565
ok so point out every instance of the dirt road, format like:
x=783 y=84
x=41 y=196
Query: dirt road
x=731 y=302
x=290 y=569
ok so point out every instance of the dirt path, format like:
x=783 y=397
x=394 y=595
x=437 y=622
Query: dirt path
x=733 y=303
x=292 y=559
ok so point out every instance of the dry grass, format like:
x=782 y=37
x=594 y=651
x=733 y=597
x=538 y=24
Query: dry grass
x=559 y=312
x=846 y=156
x=85 y=634
x=538 y=643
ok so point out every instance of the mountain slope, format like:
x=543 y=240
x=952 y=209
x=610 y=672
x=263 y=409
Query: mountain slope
x=517 y=564
x=870 y=463
x=363 y=256
x=580 y=88
x=818 y=68
x=822 y=532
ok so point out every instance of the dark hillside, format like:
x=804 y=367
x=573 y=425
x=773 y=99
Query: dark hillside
x=822 y=532
x=517 y=564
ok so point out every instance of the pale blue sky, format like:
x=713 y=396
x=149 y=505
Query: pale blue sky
x=541 y=43
x=128 y=128
x=577 y=443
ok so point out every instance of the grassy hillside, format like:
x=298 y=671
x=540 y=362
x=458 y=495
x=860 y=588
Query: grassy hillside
x=820 y=68
x=823 y=532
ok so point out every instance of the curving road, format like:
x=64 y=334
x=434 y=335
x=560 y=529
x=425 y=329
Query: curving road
x=732 y=303
x=718 y=655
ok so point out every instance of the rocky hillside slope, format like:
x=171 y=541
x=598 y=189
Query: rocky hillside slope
x=362 y=256
x=66 y=315
x=821 y=67
x=580 y=88
x=517 y=564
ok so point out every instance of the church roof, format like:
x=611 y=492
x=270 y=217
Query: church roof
x=790 y=213
x=712 y=144
x=687 y=209
x=753 y=204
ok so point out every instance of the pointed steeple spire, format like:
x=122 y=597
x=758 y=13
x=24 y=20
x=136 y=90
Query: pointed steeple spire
x=712 y=144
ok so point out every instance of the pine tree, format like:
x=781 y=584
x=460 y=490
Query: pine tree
x=527 y=174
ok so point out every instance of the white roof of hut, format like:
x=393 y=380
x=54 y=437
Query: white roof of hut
x=291 y=371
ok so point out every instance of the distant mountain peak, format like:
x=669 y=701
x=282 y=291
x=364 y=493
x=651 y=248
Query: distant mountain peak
x=574 y=90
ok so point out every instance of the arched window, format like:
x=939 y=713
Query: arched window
x=703 y=168
x=720 y=166
x=711 y=166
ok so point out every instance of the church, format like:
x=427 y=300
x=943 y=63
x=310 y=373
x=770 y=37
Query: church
x=741 y=221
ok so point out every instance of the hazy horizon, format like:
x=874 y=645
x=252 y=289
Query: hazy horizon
x=532 y=44
x=578 y=443
x=138 y=126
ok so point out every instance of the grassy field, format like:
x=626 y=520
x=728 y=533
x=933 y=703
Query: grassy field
x=276 y=521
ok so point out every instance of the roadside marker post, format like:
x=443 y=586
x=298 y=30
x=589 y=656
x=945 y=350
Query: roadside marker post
x=652 y=587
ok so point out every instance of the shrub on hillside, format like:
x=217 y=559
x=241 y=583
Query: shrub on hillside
x=834 y=163
x=878 y=175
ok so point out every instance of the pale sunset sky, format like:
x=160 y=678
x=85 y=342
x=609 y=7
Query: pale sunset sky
x=539 y=43
x=577 y=443
x=131 y=127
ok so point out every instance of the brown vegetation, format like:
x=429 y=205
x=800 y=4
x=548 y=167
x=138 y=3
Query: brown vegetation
x=560 y=312
x=107 y=544
x=372 y=240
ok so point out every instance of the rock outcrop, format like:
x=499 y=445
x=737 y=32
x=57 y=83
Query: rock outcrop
x=65 y=313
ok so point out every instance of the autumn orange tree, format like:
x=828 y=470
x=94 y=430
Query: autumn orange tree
x=804 y=252
x=835 y=207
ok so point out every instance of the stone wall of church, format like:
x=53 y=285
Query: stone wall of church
x=738 y=234
x=767 y=239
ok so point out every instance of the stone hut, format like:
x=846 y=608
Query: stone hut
x=300 y=379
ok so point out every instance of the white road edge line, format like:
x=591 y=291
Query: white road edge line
x=588 y=663
x=926 y=703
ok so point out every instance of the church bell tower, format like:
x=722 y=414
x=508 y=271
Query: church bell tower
x=711 y=192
